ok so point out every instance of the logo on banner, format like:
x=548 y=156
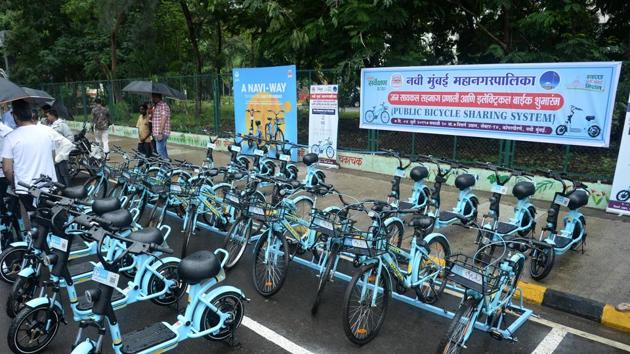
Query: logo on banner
x=549 y=80
x=396 y=80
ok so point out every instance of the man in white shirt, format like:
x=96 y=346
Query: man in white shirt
x=7 y=119
x=28 y=152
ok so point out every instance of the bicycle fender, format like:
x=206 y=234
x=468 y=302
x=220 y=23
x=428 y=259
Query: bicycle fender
x=391 y=220
x=436 y=235
x=26 y=272
x=199 y=310
x=19 y=244
x=85 y=347
x=218 y=185
x=302 y=197
x=40 y=301
x=331 y=209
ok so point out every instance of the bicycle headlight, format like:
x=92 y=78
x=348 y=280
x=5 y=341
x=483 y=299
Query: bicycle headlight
x=92 y=295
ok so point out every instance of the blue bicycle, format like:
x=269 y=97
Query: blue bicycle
x=380 y=112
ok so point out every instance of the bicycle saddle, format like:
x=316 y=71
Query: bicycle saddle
x=464 y=181
x=310 y=159
x=120 y=218
x=148 y=235
x=76 y=192
x=199 y=266
x=105 y=205
x=419 y=173
x=423 y=222
x=523 y=190
x=590 y=118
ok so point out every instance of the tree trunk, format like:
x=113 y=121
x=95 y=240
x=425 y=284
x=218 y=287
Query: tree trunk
x=192 y=36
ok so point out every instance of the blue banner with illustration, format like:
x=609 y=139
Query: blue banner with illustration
x=265 y=102
x=560 y=103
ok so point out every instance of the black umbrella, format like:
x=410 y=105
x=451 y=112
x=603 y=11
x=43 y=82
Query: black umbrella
x=11 y=92
x=38 y=97
x=149 y=87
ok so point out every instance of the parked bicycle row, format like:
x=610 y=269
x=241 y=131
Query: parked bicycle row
x=258 y=200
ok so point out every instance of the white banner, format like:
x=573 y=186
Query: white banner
x=620 y=194
x=323 y=120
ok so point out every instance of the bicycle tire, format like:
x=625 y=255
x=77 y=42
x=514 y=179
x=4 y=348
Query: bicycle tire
x=455 y=331
x=22 y=317
x=210 y=319
x=385 y=117
x=395 y=233
x=623 y=195
x=279 y=135
x=169 y=271
x=11 y=263
x=315 y=149
x=267 y=284
x=330 y=152
x=208 y=217
x=365 y=335
x=236 y=246
x=324 y=278
x=23 y=290
x=541 y=262
x=431 y=293
x=369 y=116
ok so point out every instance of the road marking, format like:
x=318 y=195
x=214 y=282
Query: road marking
x=551 y=341
x=274 y=337
x=574 y=331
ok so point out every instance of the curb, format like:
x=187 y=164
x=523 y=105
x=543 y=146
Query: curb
x=593 y=310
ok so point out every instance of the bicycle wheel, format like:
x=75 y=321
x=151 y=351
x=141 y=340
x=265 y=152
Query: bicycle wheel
x=439 y=251
x=209 y=217
x=271 y=262
x=395 y=233
x=315 y=149
x=384 y=117
x=33 y=329
x=236 y=241
x=279 y=136
x=541 y=262
x=456 y=335
x=325 y=277
x=594 y=131
x=157 y=213
x=230 y=303
x=23 y=290
x=368 y=117
x=365 y=307
x=97 y=187
x=175 y=292
x=330 y=152
x=11 y=263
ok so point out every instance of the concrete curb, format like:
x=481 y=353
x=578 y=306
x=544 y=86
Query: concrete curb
x=596 y=311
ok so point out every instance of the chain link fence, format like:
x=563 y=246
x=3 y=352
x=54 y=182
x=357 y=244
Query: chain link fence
x=209 y=105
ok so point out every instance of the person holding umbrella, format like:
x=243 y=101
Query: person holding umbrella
x=161 y=120
x=101 y=120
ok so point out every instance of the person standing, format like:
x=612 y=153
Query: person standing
x=4 y=131
x=144 y=131
x=101 y=120
x=61 y=160
x=161 y=120
x=27 y=152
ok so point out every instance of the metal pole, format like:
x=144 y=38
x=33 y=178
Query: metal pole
x=217 y=104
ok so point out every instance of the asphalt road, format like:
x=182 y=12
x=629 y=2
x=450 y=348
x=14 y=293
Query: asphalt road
x=283 y=323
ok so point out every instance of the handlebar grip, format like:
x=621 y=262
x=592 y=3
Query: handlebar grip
x=23 y=184
x=101 y=221
x=59 y=185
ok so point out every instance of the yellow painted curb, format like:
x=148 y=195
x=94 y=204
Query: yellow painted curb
x=615 y=319
x=531 y=292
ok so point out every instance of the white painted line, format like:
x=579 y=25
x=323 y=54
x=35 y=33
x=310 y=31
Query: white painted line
x=574 y=331
x=580 y=333
x=274 y=337
x=551 y=341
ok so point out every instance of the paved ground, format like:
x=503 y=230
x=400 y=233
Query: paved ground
x=284 y=323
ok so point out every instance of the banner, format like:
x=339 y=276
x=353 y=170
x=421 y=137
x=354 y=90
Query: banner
x=620 y=194
x=323 y=119
x=265 y=102
x=559 y=103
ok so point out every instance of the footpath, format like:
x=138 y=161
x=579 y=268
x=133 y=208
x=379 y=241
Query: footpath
x=588 y=285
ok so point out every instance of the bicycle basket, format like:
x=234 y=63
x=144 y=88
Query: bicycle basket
x=157 y=185
x=115 y=169
x=478 y=276
x=365 y=243
x=233 y=199
x=266 y=212
x=324 y=223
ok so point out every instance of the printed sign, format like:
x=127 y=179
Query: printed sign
x=559 y=103
x=105 y=277
x=323 y=120
x=265 y=103
x=620 y=195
